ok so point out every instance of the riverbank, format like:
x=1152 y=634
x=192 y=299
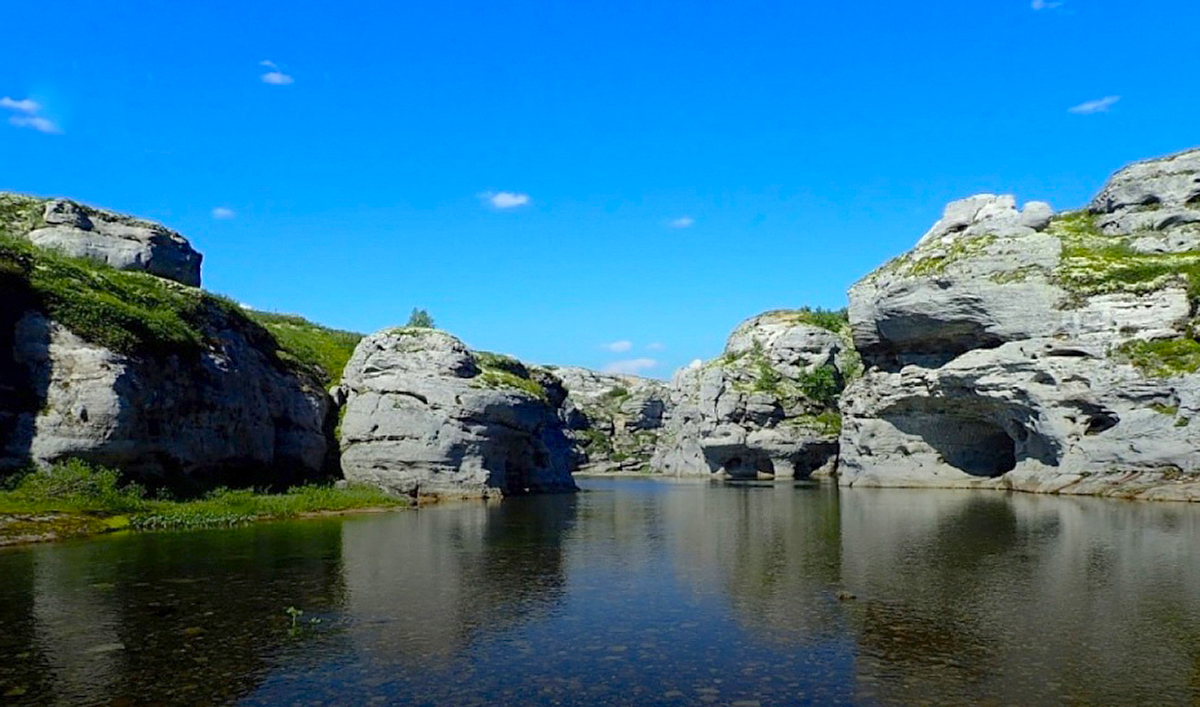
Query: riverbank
x=74 y=500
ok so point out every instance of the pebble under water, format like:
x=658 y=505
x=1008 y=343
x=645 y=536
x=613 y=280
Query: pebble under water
x=634 y=592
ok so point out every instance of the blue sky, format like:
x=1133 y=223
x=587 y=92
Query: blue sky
x=550 y=179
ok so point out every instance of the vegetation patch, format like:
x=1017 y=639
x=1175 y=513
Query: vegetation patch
x=326 y=351
x=821 y=385
x=1096 y=263
x=1162 y=358
x=505 y=372
x=82 y=499
x=828 y=422
x=834 y=320
x=20 y=214
x=934 y=259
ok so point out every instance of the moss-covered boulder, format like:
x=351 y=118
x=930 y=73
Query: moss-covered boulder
x=1037 y=351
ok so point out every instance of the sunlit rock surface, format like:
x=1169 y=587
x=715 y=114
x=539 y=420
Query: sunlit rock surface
x=1012 y=349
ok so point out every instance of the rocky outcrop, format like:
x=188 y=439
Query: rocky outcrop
x=766 y=407
x=614 y=421
x=1024 y=350
x=121 y=242
x=426 y=416
x=229 y=414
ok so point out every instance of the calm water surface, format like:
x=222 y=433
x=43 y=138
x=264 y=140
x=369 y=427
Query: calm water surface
x=637 y=592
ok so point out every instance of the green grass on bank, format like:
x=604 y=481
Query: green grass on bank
x=75 y=487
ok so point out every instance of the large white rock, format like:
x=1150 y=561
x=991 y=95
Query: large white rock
x=422 y=418
x=746 y=414
x=994 y=349
x=614 y=420
x=122 y=242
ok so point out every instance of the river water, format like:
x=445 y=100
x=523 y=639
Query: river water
x=634 y=592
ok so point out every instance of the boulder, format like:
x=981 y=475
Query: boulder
x=1011 y=350
x=120 y=241
x=765 y=408
x=426 y=416
x=614 y=421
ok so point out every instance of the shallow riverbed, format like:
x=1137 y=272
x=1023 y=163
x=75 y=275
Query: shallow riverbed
x=635 y=592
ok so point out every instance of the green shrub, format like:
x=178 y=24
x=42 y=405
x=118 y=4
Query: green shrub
x=821 y=385
x=73 y=485
x=1162 y=358
x=420 y=318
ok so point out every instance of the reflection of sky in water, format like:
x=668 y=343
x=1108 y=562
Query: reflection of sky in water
x=636 y=592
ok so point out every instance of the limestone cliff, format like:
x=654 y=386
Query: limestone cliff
x=766 y=407
x=1027 y=350
x=163 y=381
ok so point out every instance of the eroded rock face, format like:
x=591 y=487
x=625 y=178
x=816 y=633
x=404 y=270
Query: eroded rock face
x=765 y=408
x=120 y=241
x=423 y=417
x=229 y=415
x=613 y=420
x=1001 y=351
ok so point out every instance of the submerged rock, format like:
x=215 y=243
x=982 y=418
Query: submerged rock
x=766 y=407
x=122 y=242
x=613 y=420
x=1012 y=350
x=424 y=415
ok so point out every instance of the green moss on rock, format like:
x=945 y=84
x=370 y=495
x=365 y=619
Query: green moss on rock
x=1163 y=358
x=324 y=350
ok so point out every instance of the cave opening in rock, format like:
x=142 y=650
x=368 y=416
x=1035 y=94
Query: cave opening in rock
x=969 y=443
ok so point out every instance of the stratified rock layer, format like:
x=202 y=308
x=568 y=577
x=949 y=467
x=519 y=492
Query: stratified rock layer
x=423 y=417
x=613 y=420
x=119 y=241
x=1015 y=349
x=764 y=408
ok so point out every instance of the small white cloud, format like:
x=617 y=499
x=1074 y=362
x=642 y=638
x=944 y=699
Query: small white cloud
x=1098 y=106
x=1044 y=5
x=25 y=105
x=36 y=122
x=655 y=346
x=505 y=199
x=277 y=78
x=682 y=222
x=633 y=366
x=268 y=63
x=223 y=213
x=619 y=346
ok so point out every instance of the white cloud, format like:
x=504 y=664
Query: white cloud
x=36 y=122
x=1044 y=5
x=619 y=346
x=655 y=346
x=682 y=222
x=222 y=213
x=695 y=363
x=268 y=63
x=25 y=105
x=505 y=199
x=1097 y=106
x=633 y=366
x=277 y=78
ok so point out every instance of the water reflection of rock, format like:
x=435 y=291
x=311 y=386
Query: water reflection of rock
x=991 y=599
x=772 y=547
x=165 y=619
x=421 y=585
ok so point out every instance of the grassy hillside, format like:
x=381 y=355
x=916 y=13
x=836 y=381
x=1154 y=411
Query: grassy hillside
x=326 y=350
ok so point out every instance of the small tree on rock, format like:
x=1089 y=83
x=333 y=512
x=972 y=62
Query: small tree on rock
x=420 y=318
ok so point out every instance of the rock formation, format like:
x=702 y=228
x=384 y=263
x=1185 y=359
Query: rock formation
x=613 y=420
x=121 y=242
x=165 y=382
x=1040 y=352
x=426 y=416
x=766 y=407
